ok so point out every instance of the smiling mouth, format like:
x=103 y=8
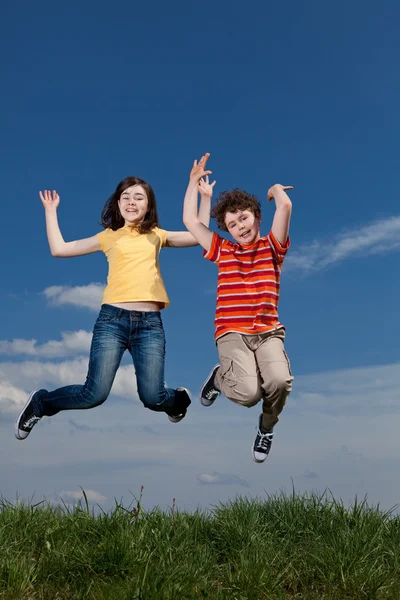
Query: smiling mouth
x=245 y=233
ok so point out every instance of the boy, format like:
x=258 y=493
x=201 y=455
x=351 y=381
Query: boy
x=249 y=337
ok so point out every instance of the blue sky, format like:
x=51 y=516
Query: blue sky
x=304 y=94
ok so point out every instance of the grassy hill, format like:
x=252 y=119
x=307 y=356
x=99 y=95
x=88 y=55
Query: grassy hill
x=303 y=547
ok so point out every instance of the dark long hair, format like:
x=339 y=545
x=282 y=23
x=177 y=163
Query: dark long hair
x=111 y=216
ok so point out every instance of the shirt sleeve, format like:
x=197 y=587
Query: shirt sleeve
x=162 y=234
x=214 y=252
x=103 y=237
x=278 y=249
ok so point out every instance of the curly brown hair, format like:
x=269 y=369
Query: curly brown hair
x=233 y=201
x=111 y=216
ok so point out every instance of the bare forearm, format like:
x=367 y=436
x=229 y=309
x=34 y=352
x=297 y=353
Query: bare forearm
x=283 y=211
x=282 y=200
x=190 y=214
x=54 y=235
x=204 y=210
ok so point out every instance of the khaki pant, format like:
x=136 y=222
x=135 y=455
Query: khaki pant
x=255 y=367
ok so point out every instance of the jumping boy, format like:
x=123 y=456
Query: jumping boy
x=249 y=337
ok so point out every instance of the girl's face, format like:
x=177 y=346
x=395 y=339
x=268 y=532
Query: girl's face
x=243 y=226
x=133 y=205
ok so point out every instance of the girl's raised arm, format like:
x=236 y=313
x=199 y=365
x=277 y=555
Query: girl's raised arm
x=58 y=247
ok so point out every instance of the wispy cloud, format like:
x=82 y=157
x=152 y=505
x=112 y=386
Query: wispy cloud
x=347 y=391
x=380 y=237
x=77 y=495
x=17 y=379
x=72 y=342
x=94 y=429
x=86 y=296
x=221 y=479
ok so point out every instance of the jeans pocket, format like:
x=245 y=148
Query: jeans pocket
x=106 y=318
x=154 y=324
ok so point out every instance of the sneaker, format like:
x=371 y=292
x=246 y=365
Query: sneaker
x=209 y=393
x=262 y=443
x=26 y=420
x=182 y=405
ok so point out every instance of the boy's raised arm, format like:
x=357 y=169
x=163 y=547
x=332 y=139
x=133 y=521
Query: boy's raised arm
x=191 y=217
x=281 y=222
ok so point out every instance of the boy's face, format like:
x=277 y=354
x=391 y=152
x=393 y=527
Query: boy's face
x=243 y=226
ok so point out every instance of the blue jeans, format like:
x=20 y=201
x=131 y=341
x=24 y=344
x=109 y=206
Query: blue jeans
x=115 y=331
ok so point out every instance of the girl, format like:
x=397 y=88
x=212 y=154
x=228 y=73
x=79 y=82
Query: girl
x=130 y=313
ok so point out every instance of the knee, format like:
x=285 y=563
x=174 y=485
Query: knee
x=279 y=384
x=246 y=392
x=284 y=384
x=152 y=399
x=91 y=400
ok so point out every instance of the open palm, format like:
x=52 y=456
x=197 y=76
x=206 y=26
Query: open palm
x=205 y=187
x=198 y=170
x=50 y=200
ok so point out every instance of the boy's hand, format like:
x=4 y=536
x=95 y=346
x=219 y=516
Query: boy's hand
x=198 y=169
x=205 y=187
x=50 y=200
x=273 y=190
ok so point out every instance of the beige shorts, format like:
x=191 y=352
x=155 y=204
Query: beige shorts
x=255 y=367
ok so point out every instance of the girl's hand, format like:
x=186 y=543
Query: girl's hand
x=198 y=169
x=272 y=190
x=50 y=200
x=206 y=188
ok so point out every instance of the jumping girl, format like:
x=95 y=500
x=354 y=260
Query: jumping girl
x=130 y=317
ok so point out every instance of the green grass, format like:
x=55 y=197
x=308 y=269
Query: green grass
x=305 y=547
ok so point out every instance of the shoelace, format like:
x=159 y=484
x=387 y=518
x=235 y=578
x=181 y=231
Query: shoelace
x=31 y=422
x=265 y=439
x=211 y=393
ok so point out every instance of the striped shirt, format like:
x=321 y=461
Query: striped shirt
x=248 y=284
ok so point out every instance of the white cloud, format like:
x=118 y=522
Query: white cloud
x=87 y=296
x=17 y=379
x=221 y=479
x=348 y=390
x=380 y=237
x=72 y=342
x=77 y=495
x=11 y=396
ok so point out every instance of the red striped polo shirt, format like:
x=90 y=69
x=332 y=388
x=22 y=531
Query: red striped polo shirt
x=248 y=284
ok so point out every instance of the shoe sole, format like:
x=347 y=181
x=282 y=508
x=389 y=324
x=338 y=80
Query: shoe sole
x=177 y=419
x=16 y=424
x=203 y=402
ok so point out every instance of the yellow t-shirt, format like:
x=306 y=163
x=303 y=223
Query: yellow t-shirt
x=134 y=270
